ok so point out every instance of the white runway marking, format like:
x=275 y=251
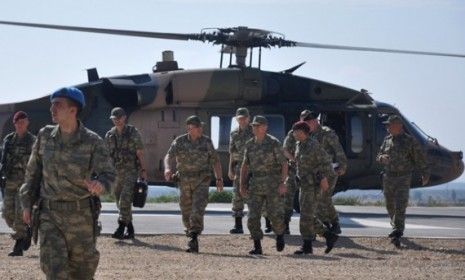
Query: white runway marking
x=380 y=224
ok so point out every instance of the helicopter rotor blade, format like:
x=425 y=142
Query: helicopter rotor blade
x=146 y=34
x=350 y=48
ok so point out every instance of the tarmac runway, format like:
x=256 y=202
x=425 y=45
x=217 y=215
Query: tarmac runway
x=165 y=218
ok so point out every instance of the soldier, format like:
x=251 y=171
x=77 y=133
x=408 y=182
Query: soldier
x=195 y=158
x=236 y=153
x=126 y=150
x=17 y=148
x=313 y=170
x=264 y=163
x=69 y=166
x=400 y=153
x=328 y=139
x=289 y=147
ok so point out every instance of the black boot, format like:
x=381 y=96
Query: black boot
x=237 y=226
x=280 y=242
x=193 y=244
x=17 y=249
x=257 y=247
x=119 y=232
x=396 y=235
x=268 y=228
x=336 y=227
x=331 y=239
x=130 y=233
x=286 y=223
x=306 y=248
x=27 y=239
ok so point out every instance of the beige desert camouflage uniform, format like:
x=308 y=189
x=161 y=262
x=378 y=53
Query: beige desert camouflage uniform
x=311 y=159
x=329 y=140
x=236 y=151
x=194 y=164
x=264 y=162
x=405 y=154
x=18 y=152
x=123 y=148
x=67 y=242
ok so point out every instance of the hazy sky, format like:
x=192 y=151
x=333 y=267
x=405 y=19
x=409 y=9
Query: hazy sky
x=428 y=90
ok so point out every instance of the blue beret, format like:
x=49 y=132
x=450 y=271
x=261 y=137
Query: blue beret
x=71 y=93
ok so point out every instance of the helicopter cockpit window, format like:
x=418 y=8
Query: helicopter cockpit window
x=276 y=126
x=356 y=134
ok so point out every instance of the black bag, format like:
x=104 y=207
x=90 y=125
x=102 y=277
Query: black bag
x=140 y=194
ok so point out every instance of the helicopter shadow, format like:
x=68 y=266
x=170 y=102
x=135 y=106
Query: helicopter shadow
x=409 y=244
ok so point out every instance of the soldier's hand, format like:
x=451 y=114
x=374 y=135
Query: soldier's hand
x=94 y=187
x=231 y=175
x=243 y=191
x=168 y=175
x=384 y=159
x=219 y=185
x=424 y=180
x=27 y=216
x=282 y=189
x=324 y=185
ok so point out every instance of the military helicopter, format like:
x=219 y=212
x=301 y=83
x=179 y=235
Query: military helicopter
x=159 y=102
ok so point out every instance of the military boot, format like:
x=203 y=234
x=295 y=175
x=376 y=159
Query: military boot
x=396 y=235
x=336 y=227
x=17 y=249
x=27 y=239
x=280 y=242
x=268 y=228
x=193 y=244
x=306 y=248
x=130 y=233
x=331 y=239
x=286 y=223
x=237 y=226
x=119 y=232
x=257 y=247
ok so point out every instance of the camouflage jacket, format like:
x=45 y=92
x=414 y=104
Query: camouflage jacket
x=290 y=143
x=330 y=142
x=123 y=147
x=312 y=159
x=404 y=154
x=17 y=152
x=62 y=168
x=265 y=158
x=193 y=157
x=237 y=142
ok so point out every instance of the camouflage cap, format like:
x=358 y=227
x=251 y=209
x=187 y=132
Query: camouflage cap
x=194 y=120
x=306 y=115
x=117 y=113
x=259 y=120
x=19 y=116
x=242 y=112
x=393 y=119
x=301 y=125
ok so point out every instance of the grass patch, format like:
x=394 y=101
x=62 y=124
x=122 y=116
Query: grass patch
x=163 y=199
x=350 y=200
x=220 y=197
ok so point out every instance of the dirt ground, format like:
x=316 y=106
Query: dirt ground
x=225 y=257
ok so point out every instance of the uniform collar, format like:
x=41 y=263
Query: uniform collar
x=76 y=137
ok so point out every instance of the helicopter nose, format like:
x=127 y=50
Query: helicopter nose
x=458 y=163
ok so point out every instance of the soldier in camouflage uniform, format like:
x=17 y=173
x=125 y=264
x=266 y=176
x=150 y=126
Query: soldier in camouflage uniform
x=17 y=149
x=69 y=165
x=195 y=157
x=313 y=170
x=263 y=172
x=236 y=154
x=400 y=154
x=326 y=211
x=126 y=150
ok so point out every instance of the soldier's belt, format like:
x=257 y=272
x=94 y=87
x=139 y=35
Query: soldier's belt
x=194 y=173
x=397 y=174
x=66 y=205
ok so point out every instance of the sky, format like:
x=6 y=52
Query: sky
x=428 y=90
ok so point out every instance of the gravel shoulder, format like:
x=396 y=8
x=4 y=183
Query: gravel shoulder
x=225 y=257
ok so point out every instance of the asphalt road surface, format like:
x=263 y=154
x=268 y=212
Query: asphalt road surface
x=165 y=218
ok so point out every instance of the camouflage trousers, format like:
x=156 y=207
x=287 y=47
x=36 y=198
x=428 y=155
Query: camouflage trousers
x=12 y=211
x=264 y=193
x=309 y=223
x=124 y=194
x=326 y=211
x=289 y=197
x=193 y=201
x=396 y=193
x=238 y=200
x=67 y=244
